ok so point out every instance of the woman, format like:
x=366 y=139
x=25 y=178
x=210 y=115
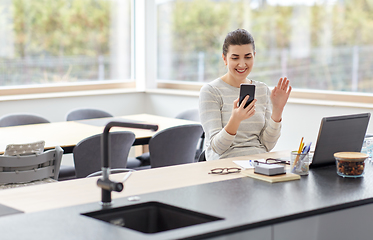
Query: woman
x=233 y=130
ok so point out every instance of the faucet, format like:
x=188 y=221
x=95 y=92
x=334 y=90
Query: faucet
x=106 y=185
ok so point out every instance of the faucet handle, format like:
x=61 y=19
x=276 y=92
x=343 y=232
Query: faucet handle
x=109 y=185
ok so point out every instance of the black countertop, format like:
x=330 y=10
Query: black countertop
x=244 y=203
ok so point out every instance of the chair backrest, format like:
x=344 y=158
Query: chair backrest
x=86 y=113
x=190 y=114
x=87 y=153
x=16 y=119
x=193 y=115
x=27 y=168
x=175 y=145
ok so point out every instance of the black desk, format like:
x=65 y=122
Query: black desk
x=249 y=207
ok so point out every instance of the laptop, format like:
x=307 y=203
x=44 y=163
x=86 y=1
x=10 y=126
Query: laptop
x=339 y=134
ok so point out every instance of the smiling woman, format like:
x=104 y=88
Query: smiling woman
x=231 y=129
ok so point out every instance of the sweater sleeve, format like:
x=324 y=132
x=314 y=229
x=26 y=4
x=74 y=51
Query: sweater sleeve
x=272 y=130
x=210 y=105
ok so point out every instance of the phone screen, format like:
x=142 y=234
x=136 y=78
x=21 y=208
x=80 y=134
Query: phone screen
x=247 y=89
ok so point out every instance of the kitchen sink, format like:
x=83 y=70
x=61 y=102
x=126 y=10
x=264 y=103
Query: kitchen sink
x=151 y=217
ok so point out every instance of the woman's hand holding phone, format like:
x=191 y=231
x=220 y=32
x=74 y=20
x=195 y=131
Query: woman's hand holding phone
x=240 y=113
x=246 y=104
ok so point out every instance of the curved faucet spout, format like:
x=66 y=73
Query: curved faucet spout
x=106 y=185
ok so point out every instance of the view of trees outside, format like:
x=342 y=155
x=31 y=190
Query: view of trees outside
x=49 y=41
x=317 y=44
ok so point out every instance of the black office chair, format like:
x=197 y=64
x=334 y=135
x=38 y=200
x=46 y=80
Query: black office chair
x=86 y=113
x=175 y=145
x=190 y=114
x=68 y=172
x=87 y=153
x=193 y=115
x=16 y=119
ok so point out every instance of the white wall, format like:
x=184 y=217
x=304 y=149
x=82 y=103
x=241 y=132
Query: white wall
x=169 y=105
x=299 y=120
x=55 y=109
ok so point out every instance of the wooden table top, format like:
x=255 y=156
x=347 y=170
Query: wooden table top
x=69 y=133
x=80 y=191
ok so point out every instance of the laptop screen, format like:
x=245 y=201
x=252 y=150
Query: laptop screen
x=339 y=134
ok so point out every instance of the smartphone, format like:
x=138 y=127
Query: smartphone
x=247 y=89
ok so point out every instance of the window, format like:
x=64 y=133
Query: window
x=46 y=42
x=318 y=44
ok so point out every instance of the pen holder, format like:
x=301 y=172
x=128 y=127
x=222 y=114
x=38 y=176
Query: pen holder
x=299 y=163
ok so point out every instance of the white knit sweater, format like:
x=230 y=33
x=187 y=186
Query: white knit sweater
x=257 y=134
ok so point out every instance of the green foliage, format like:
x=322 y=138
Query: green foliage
x=201 y=25
x=271 y=25
x=62 y=27
x=70 y=27
x=356 y=28
x=198 y=25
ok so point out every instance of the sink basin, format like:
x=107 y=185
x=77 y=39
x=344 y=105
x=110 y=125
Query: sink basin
x=151 y=217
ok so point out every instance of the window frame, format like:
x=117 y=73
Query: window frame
x=304 y=96
x=83 y=85
x=65 y=87
x=144 y=56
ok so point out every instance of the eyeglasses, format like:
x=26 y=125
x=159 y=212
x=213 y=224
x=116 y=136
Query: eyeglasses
x=225 y=170
x=276 y=161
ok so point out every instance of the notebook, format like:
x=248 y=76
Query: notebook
x=339 y=134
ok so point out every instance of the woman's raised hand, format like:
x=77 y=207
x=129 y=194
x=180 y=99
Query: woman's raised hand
x=279 y=97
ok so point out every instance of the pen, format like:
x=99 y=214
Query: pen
x=300 y=146
x=307 y=148
x=299 y=152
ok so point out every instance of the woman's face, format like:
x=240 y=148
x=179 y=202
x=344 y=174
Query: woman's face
x=239 y=61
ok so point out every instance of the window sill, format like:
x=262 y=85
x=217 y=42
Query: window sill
x=66 y=90
x=67 y=94
x=297 y=96
x=305 y=101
